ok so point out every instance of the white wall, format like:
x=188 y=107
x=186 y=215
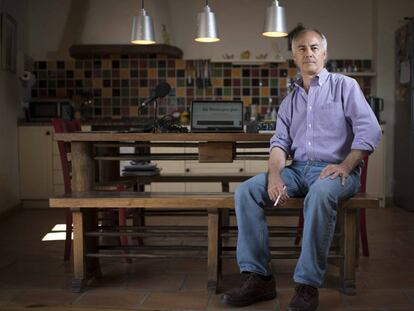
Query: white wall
x=57 y=24
x=241 y=21
x=390 y=17
x=9 y=110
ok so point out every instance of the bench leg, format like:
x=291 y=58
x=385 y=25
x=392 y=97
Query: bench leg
x=349 y=249
x=214 y=250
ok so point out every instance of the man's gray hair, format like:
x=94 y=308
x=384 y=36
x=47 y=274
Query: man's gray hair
x=301 y=32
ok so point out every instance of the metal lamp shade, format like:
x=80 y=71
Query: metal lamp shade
x=142 y=29
x=275 y=21
x=207 y=30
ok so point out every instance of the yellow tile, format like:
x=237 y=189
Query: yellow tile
x=143 y=92
x=282 y=82
x=217 y=82
x=69 y=65
x=152 y=73
x=124 y=73
x=180 y=91
x=79 y=74
x=106 y=64
x=172 y=82
x=264 y=92
x=133 y=111
x=97 y=83
x=283 y=65
x=180 y=64
x=292 y=72
x=61 y=93
x=228 y=97
x=236 y=72
x=107 y=92
x=51 y=65
x=247 y=101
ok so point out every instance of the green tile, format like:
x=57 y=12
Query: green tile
x=199 y=92
x=273 y=83
x=124 y=92
x=227 y=91
x=246 y=82
x=180 y=82
x=152 y=63
x=162 y=73
x=124 y=63
x=42 y=74
x=264 y=101
x=51 y=84
x=217 y=73
x=106 y=74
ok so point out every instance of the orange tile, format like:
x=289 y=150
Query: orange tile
x=264 y=92
x=247 y=101
x=61 y=93
x=79 y=74
x=133 y=111
x=180 y=64
x=217 y=82
x=106 y=64
x=180 y=92
x=292 y=72
x=124 y=73
x=51 y=65
x=236 y=72
x=152 y=73
x=172 y=82
x=143 y=92
x=97 y=83
x=107 y=92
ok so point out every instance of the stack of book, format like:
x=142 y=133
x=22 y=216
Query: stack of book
x=141 y=169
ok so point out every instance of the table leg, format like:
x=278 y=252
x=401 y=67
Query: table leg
x=349 y=250
x=214 y=250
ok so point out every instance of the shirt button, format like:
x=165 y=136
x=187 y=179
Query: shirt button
x=310 y=125
x=310 y=107
x=309 y=143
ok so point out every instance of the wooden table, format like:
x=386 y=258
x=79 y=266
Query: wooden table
x=212 y=148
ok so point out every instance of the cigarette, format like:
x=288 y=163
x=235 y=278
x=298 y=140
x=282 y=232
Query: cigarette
x=278 y=197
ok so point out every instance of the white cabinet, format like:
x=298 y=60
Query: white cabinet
x=376 y=170
x=40 y=168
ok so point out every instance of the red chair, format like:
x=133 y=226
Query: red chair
x=67 y=126
x=362 y=214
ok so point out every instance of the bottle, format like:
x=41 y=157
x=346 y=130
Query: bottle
x=273 y=114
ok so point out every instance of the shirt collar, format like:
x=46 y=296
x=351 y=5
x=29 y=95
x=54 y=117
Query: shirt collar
x=322 y=76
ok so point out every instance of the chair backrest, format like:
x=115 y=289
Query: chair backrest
x=65 y=126
x=363 y=177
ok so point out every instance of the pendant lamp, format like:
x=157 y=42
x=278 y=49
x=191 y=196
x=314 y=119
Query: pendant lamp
x=207 y=30
x=142 y=28
x=275 y=21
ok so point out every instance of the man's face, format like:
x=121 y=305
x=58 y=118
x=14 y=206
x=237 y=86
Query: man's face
x=309 y=54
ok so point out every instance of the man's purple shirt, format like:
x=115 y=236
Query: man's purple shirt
x=326 y=123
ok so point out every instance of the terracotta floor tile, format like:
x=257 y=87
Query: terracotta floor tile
x=195 y=282
x=379 y=298
x=215 y=304
x=45 y=297
x=111 y=298
x=8 y=294
x=196 y=300
x=159 y=282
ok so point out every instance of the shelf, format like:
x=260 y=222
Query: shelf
x=83 y=51
x=357 y=74
x=248 y=61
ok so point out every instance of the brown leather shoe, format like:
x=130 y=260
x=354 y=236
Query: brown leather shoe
x=306 y=298
x=252 y=289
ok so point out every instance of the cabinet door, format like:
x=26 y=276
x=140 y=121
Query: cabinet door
x=35 y=160
x=255 y=167
x=376 y=171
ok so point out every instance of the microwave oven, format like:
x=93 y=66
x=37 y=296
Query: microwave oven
x=47 y=109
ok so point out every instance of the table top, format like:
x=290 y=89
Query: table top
x=97 y=136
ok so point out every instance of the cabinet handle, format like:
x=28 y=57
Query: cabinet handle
x=47 y=133
x=187 y=170
x=241 y=169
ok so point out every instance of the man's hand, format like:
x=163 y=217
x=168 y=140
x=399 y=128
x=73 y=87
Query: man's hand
x=275 y=187
x=335 y=170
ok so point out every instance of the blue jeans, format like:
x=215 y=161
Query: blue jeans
x=321 y=201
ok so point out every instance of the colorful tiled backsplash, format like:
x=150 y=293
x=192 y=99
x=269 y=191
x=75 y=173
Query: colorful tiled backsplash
x=118 y=85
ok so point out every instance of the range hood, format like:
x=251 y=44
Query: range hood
x=84 y=51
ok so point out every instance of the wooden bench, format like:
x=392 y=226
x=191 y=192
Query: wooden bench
x=86 y=264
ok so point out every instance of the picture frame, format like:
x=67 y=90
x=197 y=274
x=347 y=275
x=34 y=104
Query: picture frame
x=8 y=42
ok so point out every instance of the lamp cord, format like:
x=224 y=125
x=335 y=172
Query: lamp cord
x=142 y=4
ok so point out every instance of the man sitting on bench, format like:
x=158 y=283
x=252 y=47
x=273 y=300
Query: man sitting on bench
x=327 y=127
